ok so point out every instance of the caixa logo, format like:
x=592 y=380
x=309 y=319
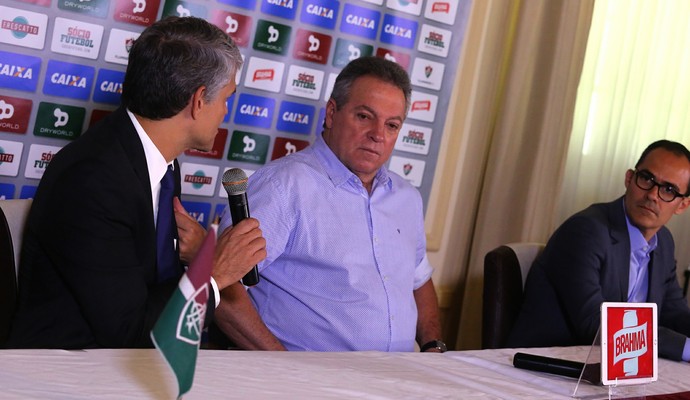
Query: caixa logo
x=18 y=71
x=360 y=21
x=399 y=31
x=108 y=86
x=280 y=8
x=295 y=117
x=321 y=13
x=255 y=110
x=68 y=80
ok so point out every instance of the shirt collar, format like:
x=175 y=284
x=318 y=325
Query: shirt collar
x=338 y=172
x=157 y=166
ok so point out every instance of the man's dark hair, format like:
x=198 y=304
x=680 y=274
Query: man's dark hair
x=172 y=59
x=387 y=71
x=670 y=146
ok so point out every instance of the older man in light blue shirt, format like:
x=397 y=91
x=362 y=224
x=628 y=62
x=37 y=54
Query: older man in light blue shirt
x=346 y=266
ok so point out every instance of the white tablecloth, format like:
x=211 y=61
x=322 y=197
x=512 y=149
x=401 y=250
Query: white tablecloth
x=142 y=373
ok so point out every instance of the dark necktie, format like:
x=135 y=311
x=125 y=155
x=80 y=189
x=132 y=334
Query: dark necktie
x=165 y=228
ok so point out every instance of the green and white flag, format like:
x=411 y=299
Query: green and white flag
x=177 y=332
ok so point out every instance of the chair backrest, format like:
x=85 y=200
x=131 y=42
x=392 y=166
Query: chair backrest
x=505 y=273
x=13 y=215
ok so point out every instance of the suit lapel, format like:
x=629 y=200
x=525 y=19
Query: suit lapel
x=620 y=244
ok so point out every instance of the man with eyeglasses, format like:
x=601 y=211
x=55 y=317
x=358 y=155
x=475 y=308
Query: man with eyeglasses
x=618 y=251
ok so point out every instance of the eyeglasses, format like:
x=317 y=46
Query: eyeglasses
x=646 y=181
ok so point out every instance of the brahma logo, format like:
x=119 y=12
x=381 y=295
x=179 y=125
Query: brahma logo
x=414 y=139
x=198 y=179
x=281 y=8
x=254 y=110
x=22 y=28
x=76 y=38
x=323 y=13
x=360 y=21
x=445 y=10
x=68 y=80
x=423 y=106
x=109 y=86
x=630 y=343
x=434 y=40
x=17 y=71
x=264 y=74
x=304 y=82
x=629 y=348
x=295 y=117
x=59 y=120
x=312 y=46
x=399 y=31
x=10 y=153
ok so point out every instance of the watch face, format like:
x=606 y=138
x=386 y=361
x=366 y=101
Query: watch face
x=434 y=344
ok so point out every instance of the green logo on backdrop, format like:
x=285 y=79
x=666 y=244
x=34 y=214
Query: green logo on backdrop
x=347 y=50
x=272 y=37
x=183 y=9
x=97 y=8
x=248 y=147
x=59 y=121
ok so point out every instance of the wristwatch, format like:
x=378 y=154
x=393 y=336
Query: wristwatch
x=434 y=344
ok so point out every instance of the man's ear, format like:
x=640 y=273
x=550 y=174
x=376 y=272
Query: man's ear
x=198 y=102
x=682 y=206
x=330 y=111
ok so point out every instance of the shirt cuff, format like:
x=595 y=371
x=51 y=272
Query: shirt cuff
x=216 y=293
x=686 y=350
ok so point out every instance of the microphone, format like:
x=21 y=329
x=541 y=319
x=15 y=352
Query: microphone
x=557 y=366
x=235 y=183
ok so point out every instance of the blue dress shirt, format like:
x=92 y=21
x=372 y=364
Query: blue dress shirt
x=342 y=265
x=638 y=280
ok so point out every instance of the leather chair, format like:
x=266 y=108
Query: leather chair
x=505 y=273
x=13 y=215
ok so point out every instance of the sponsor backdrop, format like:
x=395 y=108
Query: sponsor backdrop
x=62 y=64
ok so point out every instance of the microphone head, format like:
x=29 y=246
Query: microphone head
x=235 y=181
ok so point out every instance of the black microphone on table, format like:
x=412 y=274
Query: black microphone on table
x=557 y=366
x=235 y=183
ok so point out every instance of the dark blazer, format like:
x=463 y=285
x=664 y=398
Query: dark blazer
x=88 y=267
x=587 y=262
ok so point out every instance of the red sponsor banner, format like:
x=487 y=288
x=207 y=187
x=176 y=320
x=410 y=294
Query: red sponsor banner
x=284 y=146
x=14 y=114
x=629 y=350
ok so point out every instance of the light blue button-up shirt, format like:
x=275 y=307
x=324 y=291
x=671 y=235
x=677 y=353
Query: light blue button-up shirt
x=342 y=265
x=638 y=279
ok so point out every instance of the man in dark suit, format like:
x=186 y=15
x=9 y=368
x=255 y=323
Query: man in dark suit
x=618 y=251
x=90 y=273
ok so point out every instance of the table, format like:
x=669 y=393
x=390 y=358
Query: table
x=142 y=373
